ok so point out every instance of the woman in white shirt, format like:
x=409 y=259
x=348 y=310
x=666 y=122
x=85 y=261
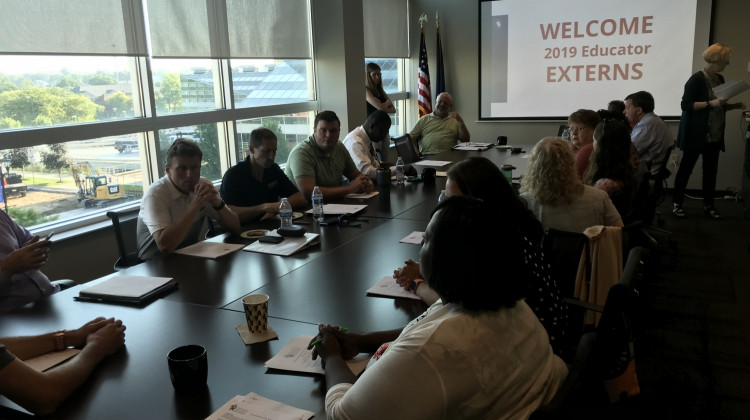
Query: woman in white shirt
x=479 y=352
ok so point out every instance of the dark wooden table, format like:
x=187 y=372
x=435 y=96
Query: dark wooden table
x=134 y=383
x=326 y=283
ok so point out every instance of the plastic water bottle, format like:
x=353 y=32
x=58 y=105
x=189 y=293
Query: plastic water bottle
x=400 y=178
x=285 y=213
x=317 y=203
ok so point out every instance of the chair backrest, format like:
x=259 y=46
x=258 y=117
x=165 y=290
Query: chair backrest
x=127 y=259
x=405 y=149
x=562 y=251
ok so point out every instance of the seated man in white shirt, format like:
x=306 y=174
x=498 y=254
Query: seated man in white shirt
x=360 y=141
x=175 y=208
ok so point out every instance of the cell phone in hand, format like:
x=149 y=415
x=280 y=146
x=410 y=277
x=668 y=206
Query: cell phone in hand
x=269 y=239
x=49 y=235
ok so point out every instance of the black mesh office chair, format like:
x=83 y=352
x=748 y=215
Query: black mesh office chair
x=127 y=259
x=405 y=149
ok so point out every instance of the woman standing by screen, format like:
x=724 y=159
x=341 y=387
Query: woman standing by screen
x=374 y=93
x=702 y=129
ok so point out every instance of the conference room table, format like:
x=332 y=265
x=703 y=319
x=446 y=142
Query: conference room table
x=325 y=283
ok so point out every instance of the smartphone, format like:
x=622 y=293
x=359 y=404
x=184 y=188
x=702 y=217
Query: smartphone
x=49 y=235
x=271 y=239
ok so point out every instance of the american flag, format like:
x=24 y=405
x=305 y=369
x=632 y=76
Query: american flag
x=423 y=81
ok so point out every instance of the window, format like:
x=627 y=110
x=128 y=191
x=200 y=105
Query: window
x=271 y=82
x=207 y=137
x=290 y=129
x=72 y=180
x=184 y=85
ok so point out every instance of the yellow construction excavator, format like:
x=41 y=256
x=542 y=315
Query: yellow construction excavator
x=93 y=189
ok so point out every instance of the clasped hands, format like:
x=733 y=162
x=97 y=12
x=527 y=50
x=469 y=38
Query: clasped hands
x=407 y=274
x=361 y=184
x=205 y=193
x=331 y=341
x=105 y=335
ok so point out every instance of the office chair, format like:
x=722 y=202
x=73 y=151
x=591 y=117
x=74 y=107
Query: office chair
x=127 y=259
x=405 y=149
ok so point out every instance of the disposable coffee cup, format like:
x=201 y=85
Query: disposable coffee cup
x=256 y=312
x=188 y=368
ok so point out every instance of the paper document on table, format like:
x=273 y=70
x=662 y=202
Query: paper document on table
x=296 y=357
x=388 y=287
x=49 y=360
x=472 y=146
x=437 y=163
x=253 y=407
x=730 y=89
x=286 y=247
x=415 y=238
x=362 y=195
x=212 y=250
x=340 y=208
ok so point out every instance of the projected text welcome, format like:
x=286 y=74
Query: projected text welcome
x=594 y=29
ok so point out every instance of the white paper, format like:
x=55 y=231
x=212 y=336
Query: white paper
x=286 y=247
x=254 y=407
x=437 y=163
x=340 y=208
x=49 y=360
x=296 y=357
x=362 y=195
x=387 y=286
x=210 y=250
x=730 y=89
x=413 y=238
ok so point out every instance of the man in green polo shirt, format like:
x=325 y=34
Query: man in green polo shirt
x=323 y=161
x=441 y=130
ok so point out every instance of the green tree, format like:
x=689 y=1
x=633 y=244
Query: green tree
x=69 y=82
x=170 y=92
x=57 y=158
x=102 y=79
x=121 y=102
x=9 y=123
x=208 y=137
x=6 y=84
x=282 y=147
x=18 y=158
x=46 y=106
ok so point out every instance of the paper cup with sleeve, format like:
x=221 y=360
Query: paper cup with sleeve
x=256 y=312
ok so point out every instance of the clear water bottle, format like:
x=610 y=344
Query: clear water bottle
x=285 y=213
x=400 y=177
x=317 y=203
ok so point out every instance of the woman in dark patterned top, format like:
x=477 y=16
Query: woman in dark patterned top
x=477 y=177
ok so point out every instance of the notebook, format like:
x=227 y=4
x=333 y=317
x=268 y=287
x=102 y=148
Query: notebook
x=127 y=289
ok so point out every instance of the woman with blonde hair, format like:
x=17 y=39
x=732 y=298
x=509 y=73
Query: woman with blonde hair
x=555 y=194
x=374 y=93
x=702 y=129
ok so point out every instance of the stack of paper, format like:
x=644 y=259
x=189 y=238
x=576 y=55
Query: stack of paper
x=388 y=287
x=252 y=407
x=341 y=208
x=296 y=357
x=472 y=146
x=285 y=248
x=211 y=250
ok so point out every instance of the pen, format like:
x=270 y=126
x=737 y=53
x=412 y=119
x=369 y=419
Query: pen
x=318 y=341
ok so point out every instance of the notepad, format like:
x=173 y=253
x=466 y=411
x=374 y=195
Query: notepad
x=388 y=287
x=296 y=357
x=211 y=250
x=127 y=289
x=340 y=208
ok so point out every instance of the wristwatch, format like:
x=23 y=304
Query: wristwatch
x=414 y=284
x=220 y=206
x=60 y=340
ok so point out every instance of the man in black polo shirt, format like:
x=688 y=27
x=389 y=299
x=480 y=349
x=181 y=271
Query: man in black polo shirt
x=253 y=188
